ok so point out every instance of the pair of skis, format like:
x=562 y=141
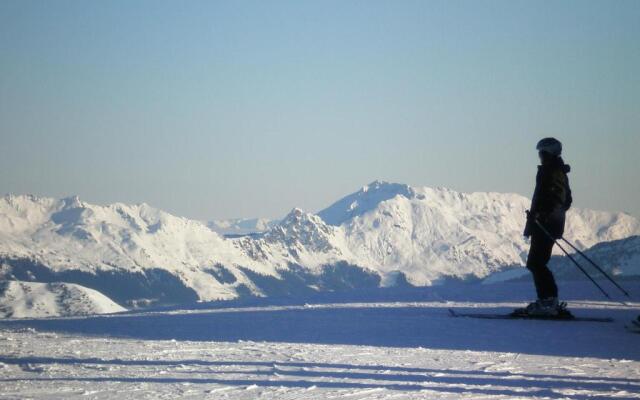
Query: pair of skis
x=633 y=326
x=562 y=316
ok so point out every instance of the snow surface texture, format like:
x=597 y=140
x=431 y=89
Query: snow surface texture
x=34 y=300
x=383 y=235
x=402 y=347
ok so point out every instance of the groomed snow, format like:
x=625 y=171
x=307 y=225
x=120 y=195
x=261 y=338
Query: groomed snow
x=401 y=346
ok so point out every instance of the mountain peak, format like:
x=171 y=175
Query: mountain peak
x=297 y=216
x=364 y=200
x=72 y=202
x=299 y=230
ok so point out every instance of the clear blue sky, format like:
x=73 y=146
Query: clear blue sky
x=220 y=109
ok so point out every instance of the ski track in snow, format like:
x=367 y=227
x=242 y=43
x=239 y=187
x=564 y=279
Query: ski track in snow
x=392 y=350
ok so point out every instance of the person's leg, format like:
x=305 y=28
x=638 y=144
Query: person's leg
x=539 y=256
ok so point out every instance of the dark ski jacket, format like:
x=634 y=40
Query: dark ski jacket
x=551 y=198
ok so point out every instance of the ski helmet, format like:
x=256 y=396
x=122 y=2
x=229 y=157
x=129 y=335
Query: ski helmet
x=550 y=145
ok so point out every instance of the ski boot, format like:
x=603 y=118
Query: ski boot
x=545 y=308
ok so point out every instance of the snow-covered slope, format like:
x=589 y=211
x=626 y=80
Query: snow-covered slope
x=35 y=300
x=618 y=258
x=300 y=238
x=383 y=234
x=69 y=235
x=382 y=347
x=115 y=236
x=364 y=200
x=429 y=233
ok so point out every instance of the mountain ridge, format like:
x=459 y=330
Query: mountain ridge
x=399 y=233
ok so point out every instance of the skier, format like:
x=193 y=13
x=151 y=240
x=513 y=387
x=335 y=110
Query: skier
x=551 y=200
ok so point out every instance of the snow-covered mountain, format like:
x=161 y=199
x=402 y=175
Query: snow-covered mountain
x=36 y=300
x=300 y=238
x=125 y=251
x=383 y=234
x=429 y=233
x=619 y=258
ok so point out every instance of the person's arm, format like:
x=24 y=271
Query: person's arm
x=532 y=213
x=545 y=196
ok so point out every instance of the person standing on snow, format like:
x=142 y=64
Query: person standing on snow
x=551 y=200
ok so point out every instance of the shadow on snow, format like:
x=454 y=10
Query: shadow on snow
x=404 y=378
x=396 y=326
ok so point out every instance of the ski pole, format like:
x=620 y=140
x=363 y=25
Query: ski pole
x=597 y=267
x=571 y=258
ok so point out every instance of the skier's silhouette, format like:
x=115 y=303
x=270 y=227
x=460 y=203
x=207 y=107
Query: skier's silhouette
x=551 y=200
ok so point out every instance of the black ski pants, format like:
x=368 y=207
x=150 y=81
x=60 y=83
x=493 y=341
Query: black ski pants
x=539 y=256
